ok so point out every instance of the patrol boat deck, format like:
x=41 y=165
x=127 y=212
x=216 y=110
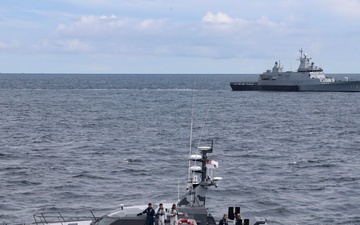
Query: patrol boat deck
x=191 y=205
x=307 y=78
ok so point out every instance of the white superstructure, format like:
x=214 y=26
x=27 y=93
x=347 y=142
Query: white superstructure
x=307 y=73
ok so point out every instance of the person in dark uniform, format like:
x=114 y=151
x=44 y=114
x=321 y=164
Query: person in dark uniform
x=150 y=215
x=224 y=220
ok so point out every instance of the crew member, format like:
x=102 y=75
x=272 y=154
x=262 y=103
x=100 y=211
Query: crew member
x=238 y=220
x=161 y=215
x=174 y=215
x=224 y=220
x=150 y=215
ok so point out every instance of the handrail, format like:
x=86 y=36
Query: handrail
x=62 y=217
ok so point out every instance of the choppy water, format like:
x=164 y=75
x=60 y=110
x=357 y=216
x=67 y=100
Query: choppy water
x=94 y=141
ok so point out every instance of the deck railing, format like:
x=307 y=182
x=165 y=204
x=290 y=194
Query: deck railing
x=63 y=217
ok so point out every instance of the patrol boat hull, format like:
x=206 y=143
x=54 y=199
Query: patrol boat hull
x=308 y=77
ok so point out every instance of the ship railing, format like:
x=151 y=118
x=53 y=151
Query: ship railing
x=244 y=83
x=12 y=223
x=63 y=217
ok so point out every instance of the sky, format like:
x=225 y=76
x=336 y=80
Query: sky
x=177 y=36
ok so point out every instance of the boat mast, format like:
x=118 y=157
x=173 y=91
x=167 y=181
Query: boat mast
x=191 y=134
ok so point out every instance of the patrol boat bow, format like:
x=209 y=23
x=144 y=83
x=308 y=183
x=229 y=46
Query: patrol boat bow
x=307 y=78
x=191 y=205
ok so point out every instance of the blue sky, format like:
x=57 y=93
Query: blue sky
x=177 y=36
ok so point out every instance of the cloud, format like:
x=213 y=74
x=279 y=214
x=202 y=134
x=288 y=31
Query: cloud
x=74 y=45
x=230 y=25
x=113 y=35
x=347 y=8
x=108 y=17
x=10 y=45
x=155 y=26
x=203 y=29
x=3 y=45
x=217 y=18
x=266 y=22
x=95 y=27
x=70 y=46
x=213 y=35
x=91 y=25
x=223 y=18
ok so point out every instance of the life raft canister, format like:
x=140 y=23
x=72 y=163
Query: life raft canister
x=185 y=220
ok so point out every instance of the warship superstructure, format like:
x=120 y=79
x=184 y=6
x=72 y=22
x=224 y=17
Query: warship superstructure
x=308 y=77
x=191 y=205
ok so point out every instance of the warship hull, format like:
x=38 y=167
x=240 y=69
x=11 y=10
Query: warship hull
x=343 y=86
x=238 y=86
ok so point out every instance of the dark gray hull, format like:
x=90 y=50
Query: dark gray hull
x=343 y=86
x=238 y=86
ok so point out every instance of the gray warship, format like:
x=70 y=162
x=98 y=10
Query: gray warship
x=191 y=205
x=308 y=77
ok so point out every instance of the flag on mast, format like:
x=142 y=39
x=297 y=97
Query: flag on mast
x=212 y=164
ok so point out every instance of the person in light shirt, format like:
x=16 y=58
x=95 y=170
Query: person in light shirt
x=174 y=215
x=161 y=215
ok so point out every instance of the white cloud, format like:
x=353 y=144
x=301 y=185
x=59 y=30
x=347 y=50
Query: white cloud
x=95 y=27
x=347 y=8
x=223 y=18
x=233 y=25
x=74 y=45
x=3 y=45
x=151 y=24
x=214 y=35
x=71 y=46
x=202 y=29
x=264 y=21
x=12 y=44
x=91 y=25
x=217 y=18
x=108 y=17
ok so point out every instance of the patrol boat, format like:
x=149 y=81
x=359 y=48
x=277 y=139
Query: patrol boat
x=307 y=78
x=191 y=206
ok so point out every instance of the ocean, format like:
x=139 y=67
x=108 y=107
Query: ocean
x=95 y=141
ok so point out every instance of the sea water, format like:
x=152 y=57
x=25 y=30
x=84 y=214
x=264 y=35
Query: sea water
x=95 y=141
